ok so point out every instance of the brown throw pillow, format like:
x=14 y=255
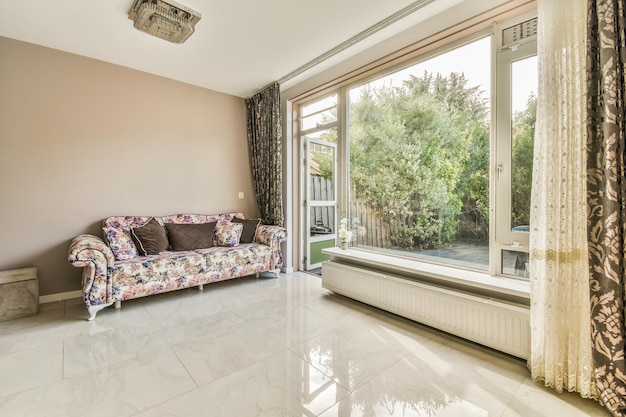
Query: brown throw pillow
x=249 y=229
x=150 y=238
x=190 y=236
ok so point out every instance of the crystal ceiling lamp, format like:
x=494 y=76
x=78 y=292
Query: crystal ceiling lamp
x=167 y=20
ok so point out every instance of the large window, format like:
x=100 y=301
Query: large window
x=419 y=158
x=512 y=144
x=438 y=154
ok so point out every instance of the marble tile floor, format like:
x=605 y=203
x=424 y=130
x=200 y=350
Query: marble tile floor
x=265 y=347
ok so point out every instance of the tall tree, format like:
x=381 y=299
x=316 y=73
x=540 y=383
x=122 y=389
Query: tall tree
x=409 y=149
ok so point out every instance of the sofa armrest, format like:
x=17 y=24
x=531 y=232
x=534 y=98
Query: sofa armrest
x=92 y=254
x=272 y=236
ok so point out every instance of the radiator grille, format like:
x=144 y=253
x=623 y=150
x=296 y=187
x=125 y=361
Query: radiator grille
x=501 y=326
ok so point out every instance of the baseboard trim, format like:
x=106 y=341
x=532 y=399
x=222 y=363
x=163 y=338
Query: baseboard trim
x=62 y=296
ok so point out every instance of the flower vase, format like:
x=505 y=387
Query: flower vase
x=344 y=245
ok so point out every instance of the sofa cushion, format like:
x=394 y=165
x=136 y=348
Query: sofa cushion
x=223 y=263
x=150 y=238
x=227 y=234
x=117 y=234
x=133 y=278
x=190 y=236
x=249 y=229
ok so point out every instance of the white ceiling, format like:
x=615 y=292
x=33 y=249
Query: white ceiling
x=239 y=46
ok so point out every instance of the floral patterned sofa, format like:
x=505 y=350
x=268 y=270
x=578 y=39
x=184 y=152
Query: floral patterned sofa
x=123 y=269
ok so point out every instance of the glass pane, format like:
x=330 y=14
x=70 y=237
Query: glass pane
x=419 y=155
x=322 y=220
x=325 y=103
x=322 y=167
x=326 y=135
x=524 y=111
x=515 y=263
x=319 y=119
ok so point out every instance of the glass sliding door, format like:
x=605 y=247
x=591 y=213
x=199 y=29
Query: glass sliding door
x=318 y=124
x=321 y=201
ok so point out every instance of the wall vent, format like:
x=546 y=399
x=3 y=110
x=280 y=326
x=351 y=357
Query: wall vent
x=519 y=33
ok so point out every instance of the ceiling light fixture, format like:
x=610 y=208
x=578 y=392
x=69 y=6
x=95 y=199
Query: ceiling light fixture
x=167 y=20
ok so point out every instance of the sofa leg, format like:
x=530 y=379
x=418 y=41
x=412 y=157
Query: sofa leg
x=201 y=287
x=93 y=310
x=118 y=304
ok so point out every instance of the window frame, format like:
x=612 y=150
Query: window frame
x=500 y=239
x=503 y=237
x=306 y=202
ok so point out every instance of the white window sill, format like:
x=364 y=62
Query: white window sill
x=444 y=275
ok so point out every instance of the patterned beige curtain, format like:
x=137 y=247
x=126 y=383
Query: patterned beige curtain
x=265 y=144
x=560 y=328
x=606 y=191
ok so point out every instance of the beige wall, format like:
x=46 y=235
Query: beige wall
x=81 y=140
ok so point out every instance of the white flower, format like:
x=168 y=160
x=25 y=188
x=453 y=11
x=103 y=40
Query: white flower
x=343 y=233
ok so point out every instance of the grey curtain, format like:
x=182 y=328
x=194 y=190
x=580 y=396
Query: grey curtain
x=265 y=145
x=606 y=189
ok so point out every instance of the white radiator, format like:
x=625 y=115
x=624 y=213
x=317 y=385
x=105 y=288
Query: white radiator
x=499 y=325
